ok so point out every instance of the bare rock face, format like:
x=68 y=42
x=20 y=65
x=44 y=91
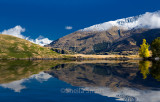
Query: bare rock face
x=112 y=40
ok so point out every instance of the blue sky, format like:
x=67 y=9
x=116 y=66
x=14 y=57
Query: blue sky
x=50 y=17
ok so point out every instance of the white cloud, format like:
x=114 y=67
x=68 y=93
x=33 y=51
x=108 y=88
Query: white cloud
x=18 y=30
x=68 y=27
x=41 y=41
x=147 y=20
x=150 y=20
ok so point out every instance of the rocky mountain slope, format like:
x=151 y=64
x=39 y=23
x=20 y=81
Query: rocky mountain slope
x=13 y=47
x=113 y=40
x=113 y=36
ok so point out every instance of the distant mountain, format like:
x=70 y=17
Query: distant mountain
x=13 y=47
x=114 y=36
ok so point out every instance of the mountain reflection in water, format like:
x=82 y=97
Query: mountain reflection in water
x=131 y=81
x=127 y=81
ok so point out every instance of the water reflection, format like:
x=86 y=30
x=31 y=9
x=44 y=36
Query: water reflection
x=131 y=81
x=150 y=68
x=17 y=86
x=155 y=70
x=113 y=74
x=126 y=81
x=16 y=70
x=14 y=73
x=144 y=68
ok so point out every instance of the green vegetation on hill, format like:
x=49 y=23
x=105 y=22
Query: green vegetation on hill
x=13 y=47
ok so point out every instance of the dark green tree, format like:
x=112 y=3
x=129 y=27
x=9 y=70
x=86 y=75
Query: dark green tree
x=155 y=47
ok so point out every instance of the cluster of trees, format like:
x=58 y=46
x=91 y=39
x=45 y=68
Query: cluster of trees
x=145 y=53
x=154 y=46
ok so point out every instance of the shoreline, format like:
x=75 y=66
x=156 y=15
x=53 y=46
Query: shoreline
x=84 y=57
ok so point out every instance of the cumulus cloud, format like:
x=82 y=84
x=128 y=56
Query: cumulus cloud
x=68 y=27
x=150 y=20
x=17 y=32
x=147 y=20
x=41 y=41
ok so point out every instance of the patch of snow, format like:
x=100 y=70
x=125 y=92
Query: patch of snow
x=147 y=20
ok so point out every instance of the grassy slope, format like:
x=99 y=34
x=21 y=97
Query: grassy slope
x=13 y=47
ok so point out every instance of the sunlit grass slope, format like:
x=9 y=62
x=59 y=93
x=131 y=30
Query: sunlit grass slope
x=13 y=47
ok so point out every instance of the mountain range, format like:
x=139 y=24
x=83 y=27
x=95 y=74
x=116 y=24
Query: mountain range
x=122 y=36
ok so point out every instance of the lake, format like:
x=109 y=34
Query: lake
x=79 y=81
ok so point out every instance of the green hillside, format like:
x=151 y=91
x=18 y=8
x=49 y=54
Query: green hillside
x=13 y=47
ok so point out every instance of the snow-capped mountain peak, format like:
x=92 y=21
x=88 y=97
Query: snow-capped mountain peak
x=147 y=20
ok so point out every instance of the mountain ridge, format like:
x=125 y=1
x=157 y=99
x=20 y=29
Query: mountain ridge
x=112 y=36
x=94 y=42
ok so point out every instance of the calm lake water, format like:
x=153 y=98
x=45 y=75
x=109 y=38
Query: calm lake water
x=86 y=81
